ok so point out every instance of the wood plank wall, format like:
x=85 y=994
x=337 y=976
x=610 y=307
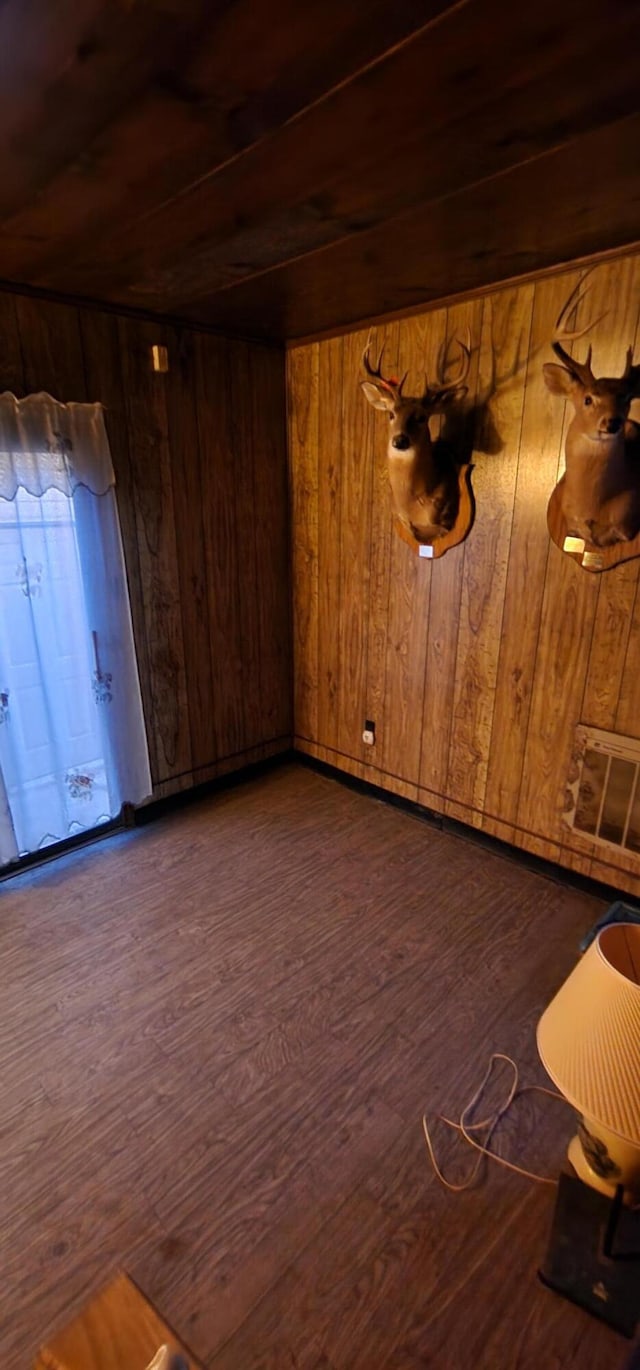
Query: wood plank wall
x=199 y=455
x=475 y=668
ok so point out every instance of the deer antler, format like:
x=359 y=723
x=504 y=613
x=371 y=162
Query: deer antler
x=442 y=386
x=388 y=383
x=561 y=335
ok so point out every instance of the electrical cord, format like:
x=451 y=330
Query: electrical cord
x=465 y=1128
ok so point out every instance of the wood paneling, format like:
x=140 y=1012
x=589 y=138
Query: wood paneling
x=247 y=513
x=494 y=653
x=540 y=442
x=378 y=555
x=493 y=231
x=302 y=437
x=91 y=48
x=355 y=520
x=628 y=705
x=204 y=84
x=504 y=341
x=416 y=350
x=279 y=169
x=51 y=348
x=227 y=1105
x=191 y=552
x=327 y=160
x=330 y=476
x=146 y=406
x=446 y=589
x=199 y=456
x=616 y=594
x=219 y=514
x=11 y=365
x=272 y=587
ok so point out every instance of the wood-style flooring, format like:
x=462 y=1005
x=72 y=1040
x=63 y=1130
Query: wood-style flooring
x=217 y=1037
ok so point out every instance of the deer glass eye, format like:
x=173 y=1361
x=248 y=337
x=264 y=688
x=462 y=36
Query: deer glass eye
x=391 y=416
x=588 y=399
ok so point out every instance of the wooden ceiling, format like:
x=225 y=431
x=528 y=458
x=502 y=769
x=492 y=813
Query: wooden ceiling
x=283 y=167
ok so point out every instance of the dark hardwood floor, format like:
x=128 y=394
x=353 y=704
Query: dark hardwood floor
x=217 y=1036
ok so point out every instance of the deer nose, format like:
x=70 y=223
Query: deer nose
x=611 y=425
x=401 y=441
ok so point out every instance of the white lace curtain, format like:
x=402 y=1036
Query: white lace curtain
x=72 y=738
x=45 y=445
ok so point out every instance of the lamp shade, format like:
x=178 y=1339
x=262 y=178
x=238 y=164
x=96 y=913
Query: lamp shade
x=589 y=1036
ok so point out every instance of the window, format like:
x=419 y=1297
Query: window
x=72 y=739
x=52 y=754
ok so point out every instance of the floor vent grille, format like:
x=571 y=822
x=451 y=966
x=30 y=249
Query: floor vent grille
x=604 y=796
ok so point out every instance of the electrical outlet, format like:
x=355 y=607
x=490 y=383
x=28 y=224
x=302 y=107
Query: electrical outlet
x=159 y=357
x=369 y=732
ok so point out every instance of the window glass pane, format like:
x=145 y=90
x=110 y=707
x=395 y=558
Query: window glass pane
x=616 y=803
x=633 y=831
x=594 y=769
x=51 y=750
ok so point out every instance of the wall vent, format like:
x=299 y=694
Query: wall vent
x=603 y=798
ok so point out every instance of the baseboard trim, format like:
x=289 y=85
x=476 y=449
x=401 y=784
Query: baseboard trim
x=132 y=817
x=551 y=869
x=160 y=808
x=251 y=770
x=63 y=848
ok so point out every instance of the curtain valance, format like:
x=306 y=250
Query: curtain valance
x=45 y=445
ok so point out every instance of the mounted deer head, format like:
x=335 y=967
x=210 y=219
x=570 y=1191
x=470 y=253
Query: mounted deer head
x=600 y=494
x=424 y=486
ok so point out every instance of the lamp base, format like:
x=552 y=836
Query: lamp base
x=605 y=1161
x=576 y=1264
x=585 y=1171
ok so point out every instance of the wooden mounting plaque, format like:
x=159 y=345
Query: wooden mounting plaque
x=461 y=527
x=588 y=556
x=118 y=1330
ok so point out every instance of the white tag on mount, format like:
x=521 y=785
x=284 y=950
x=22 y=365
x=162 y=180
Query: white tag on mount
x=425 y=550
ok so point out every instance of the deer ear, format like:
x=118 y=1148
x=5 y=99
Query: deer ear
x=380 y=399
x=558 y=380
x=453 y=396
